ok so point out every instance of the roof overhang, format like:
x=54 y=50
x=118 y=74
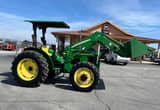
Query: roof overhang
x=122 y=38
x=70 y=33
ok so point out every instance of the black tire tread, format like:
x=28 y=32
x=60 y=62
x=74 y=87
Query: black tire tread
x=90 y=66
x=43 y=68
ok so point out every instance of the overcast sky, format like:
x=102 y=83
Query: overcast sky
x=140 y=17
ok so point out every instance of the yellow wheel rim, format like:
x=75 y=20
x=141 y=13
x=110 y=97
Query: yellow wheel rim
x=84 y=77
x=27 y=69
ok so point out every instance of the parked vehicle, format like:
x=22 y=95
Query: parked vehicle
x=9 y=46
x=155 y=57
x=113 y=58
x=1 y=46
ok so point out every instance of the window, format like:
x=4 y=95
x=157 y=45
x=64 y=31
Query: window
x=67 y=41
x=105 y=26
x=106 y=31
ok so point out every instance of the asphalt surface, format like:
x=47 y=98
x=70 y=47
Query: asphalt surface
x=131 y=87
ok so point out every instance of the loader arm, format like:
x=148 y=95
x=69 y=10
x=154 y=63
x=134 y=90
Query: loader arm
x=133 y=48
x=100 y=38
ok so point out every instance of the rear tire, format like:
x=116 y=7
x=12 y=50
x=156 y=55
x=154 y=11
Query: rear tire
x=84 y=76
x=125 y=63
x=112 y=61
x=105 y=60
x=30 y=68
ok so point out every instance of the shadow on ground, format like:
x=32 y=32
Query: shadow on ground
x=61 y=82
x=8 y=79
x=64 y=83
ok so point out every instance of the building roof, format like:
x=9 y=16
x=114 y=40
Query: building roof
x=72 y=33
x=100 y=24
x=128 y=36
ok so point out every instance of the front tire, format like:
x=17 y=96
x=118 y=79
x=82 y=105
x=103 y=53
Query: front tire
x=30 y=68
x=84 y=76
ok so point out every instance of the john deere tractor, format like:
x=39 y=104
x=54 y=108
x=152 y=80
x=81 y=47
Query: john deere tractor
x=35 y=64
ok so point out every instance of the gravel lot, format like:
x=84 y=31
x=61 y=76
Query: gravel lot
x=131 y=87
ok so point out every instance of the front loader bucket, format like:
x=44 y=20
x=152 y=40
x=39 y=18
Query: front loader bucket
x=134 y=48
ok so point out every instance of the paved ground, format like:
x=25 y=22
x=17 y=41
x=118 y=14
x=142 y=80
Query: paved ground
x=3 y=52
x=131 y=87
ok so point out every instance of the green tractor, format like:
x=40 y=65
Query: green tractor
x=35 y=64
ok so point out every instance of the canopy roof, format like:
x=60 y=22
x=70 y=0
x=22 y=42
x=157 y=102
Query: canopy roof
x=45 y=24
